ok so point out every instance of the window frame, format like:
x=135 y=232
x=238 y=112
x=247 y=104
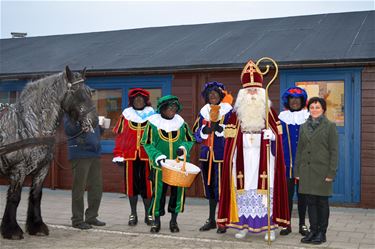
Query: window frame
x=125 y=83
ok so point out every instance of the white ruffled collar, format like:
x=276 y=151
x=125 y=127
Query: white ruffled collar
x=224 y=109
x=142 y=116
x=294 y=118
x=167 y=124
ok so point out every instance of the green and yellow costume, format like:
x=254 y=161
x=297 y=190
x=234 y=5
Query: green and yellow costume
x=161 y=139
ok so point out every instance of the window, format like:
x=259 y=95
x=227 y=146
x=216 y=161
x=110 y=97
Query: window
x=109 y=104
x=155 y=94
x=333 y=94
x=111 y=98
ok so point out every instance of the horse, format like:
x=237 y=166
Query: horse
x=27 y=133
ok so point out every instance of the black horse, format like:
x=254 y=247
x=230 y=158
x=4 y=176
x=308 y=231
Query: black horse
x=27 y=131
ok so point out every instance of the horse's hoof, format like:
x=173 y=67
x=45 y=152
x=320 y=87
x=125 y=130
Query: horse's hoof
x=38 y=229
x=14 y=233
x=17 y=237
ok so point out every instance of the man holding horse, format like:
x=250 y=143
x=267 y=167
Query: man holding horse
x=84 y=152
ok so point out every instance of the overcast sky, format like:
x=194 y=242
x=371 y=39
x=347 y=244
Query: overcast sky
x=51 y=17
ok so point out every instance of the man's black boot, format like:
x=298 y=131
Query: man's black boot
x=173 y=224
x=318 y=239
x=308 y=238
x=303 y=230
x=155 y=228
x=285 y=231
x=210 y=224
x=133 y=219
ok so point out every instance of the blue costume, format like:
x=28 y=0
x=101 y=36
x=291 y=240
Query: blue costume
x=218 y=147
x=291 y=120
x=209 y=131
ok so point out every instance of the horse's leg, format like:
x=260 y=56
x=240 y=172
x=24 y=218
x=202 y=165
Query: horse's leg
x=9 y=226
x=34 y=222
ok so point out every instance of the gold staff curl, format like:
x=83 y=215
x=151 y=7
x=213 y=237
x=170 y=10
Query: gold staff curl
x=265 y=59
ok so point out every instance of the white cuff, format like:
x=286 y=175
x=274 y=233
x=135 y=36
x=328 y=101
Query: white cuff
x=185 y=152
x=268 y=135
x=203 y=136
x=182 y=147
x=118 y=159
x=220 y=134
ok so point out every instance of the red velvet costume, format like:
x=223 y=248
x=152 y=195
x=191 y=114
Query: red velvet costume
x=128 y=140
x=280 y=195
x=129 y=129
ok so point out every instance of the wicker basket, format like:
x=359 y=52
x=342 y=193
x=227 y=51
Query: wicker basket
x=179 y=173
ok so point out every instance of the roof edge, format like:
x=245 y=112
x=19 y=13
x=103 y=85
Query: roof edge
x=195 y=68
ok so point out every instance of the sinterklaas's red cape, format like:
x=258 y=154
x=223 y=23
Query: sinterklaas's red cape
x=280 y=195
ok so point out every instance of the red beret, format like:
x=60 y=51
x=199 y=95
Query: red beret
x=135 y=91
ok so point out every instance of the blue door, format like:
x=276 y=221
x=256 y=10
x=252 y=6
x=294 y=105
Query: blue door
x=341 y=89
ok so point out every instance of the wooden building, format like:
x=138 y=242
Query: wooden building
x=331 y=55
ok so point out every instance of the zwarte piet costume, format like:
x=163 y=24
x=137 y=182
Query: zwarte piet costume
x=164 y=137
x=209 y=132
x=129 y=151
x=291 y=120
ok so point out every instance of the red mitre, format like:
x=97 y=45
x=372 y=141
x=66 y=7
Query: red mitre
x=251 y=76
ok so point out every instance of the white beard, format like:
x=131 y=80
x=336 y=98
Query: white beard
x=251 y=110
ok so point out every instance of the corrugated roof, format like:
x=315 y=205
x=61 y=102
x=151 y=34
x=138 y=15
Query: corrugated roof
x=315 y=38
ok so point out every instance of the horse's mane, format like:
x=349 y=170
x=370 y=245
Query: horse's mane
x=44 y=89
x=39 y=103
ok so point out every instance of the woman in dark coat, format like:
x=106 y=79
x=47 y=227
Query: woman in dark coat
x=316 y=166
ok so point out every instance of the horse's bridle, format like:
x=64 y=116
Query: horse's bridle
x=74 y=83
x=82 y=112
x=70 y=85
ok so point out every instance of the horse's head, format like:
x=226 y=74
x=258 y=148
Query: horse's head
x=77 y=101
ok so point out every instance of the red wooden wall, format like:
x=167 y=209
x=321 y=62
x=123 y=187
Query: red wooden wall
x=368 y=138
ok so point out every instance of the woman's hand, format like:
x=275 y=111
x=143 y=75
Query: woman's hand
x=297 y=177
x=328 y=179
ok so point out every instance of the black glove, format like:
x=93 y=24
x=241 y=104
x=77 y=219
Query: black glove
x=217 y=127
x=160 y=161
x=120 y=164
x=179 y=152
x=206 y=130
